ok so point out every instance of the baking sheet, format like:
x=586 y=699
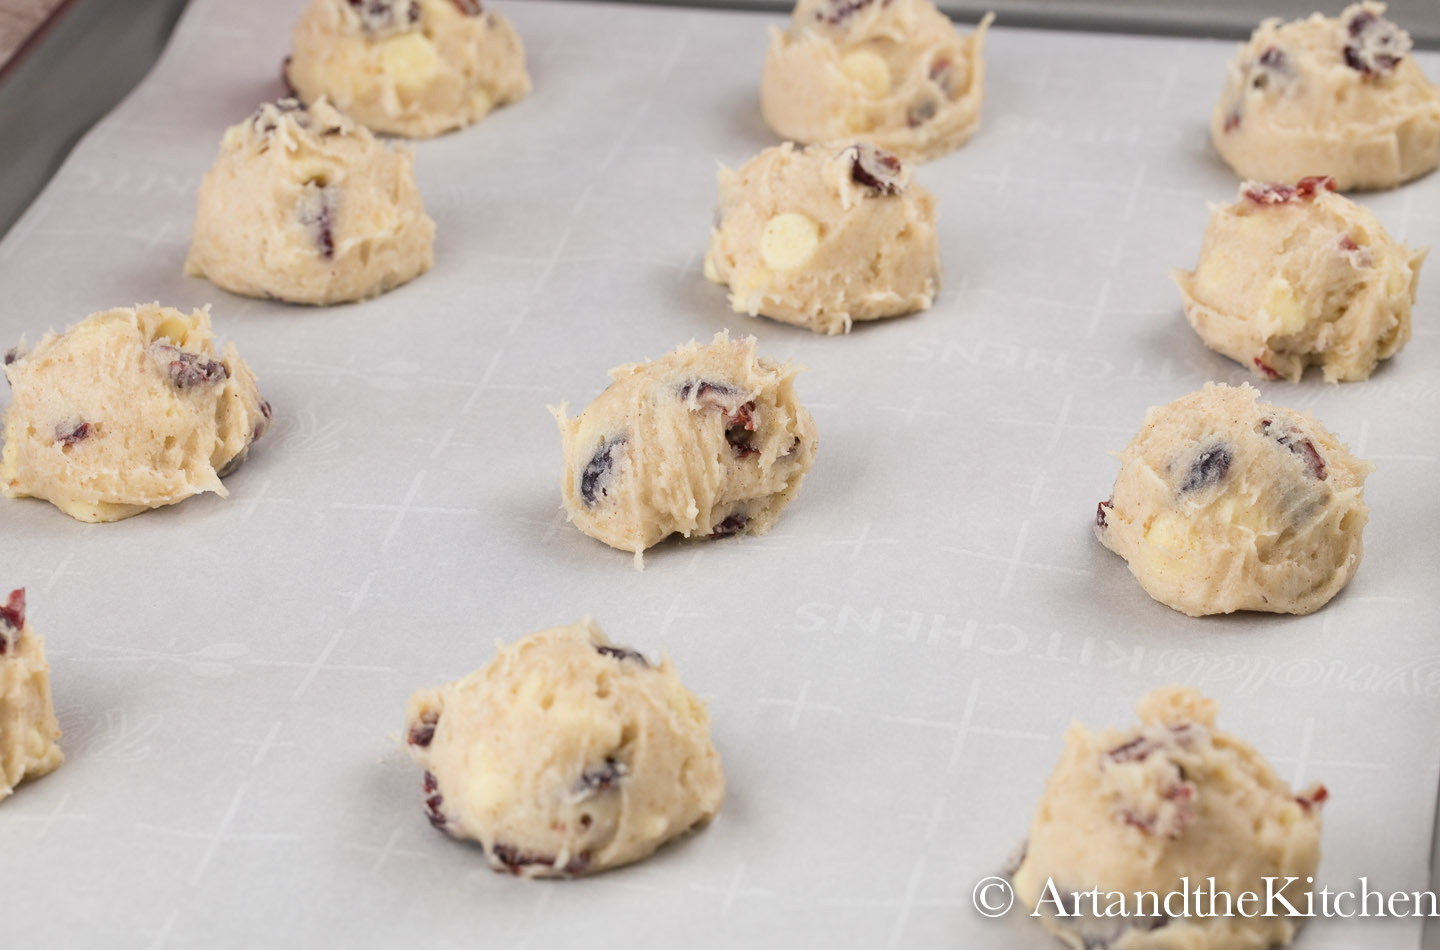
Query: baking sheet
x=889 y=672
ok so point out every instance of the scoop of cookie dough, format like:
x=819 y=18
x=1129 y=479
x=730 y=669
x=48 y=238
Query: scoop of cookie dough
x=566 y=755
x=28 y=730
x=823 y=236
x=1140 y=809
x=894 y=72
x=1324 y=96
x=1224 y=503
x=408 y=67
x=127 y=410
x=304 y=205
x=1294 y=275
x=709 y=440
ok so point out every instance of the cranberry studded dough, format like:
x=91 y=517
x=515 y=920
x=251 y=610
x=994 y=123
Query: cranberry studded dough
x=1142 y=808
x=709 y=440
x=566 y=755
x=407 y=67
x=127 y=410
x=28 y=730
x=306 y=206
x=1335 y=97
x=1224 y=503
x=1294 y=275
x=893 y=72
x=823 y=236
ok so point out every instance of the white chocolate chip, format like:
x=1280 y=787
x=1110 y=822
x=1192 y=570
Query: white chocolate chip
x=789 y=241
x=867 y=69
x=410 y=59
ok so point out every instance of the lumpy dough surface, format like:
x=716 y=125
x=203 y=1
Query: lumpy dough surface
x=566 y=755
x=127 y=410
x=709 y=440
x=1224 y=503
x=408 y=67
x=29 y=734
x=1329 y=96
x=894 y=72
x=823 y=236
x=306 y=206
x=1291 y=276
x=1141 y=808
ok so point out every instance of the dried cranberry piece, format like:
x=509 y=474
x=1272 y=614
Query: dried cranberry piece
x=739 y=427
x=1232 y=120
x=1100 y=512
x=1294 y=439
x=433 y=801
x=921 y=112
x=836 y=12
x=290 y=90
x=73 y=433
x=1313 y=797
x=516 y=860
x=378 y=16
x=423 y=732
x=1376 y=44
x=12 y=619
x=1272 y=67
x=12 y=612
x=595 y=479
x=186 y=369
x=601 y=779
x=732 y=525
x=1278 y=193
x=1264 y=367
x=705 y=391
x=1359 y=256
x=1179 y=793
x=739 y=420
x=263 y=426
x=1137 y=749
x=317 y=212
x=1313 y=185
x=621 y=653
x=14 y=353
x=1209 y=468
x=942 y=73
x=877 y=170
x=469 y=7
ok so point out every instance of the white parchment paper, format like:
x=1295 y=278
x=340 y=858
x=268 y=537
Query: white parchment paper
x=889 y=672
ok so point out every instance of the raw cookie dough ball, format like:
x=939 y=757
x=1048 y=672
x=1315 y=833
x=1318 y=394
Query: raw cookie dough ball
x=408 y=67
x=894 y=72
x=1224 y=503
x=1290 y=276
x=127 y=410
x=823 y=236
x=709 y=440
x=304 y=205
x=1335 y=97
x=1142 y=808
x=566 y=755
x=28 y=730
